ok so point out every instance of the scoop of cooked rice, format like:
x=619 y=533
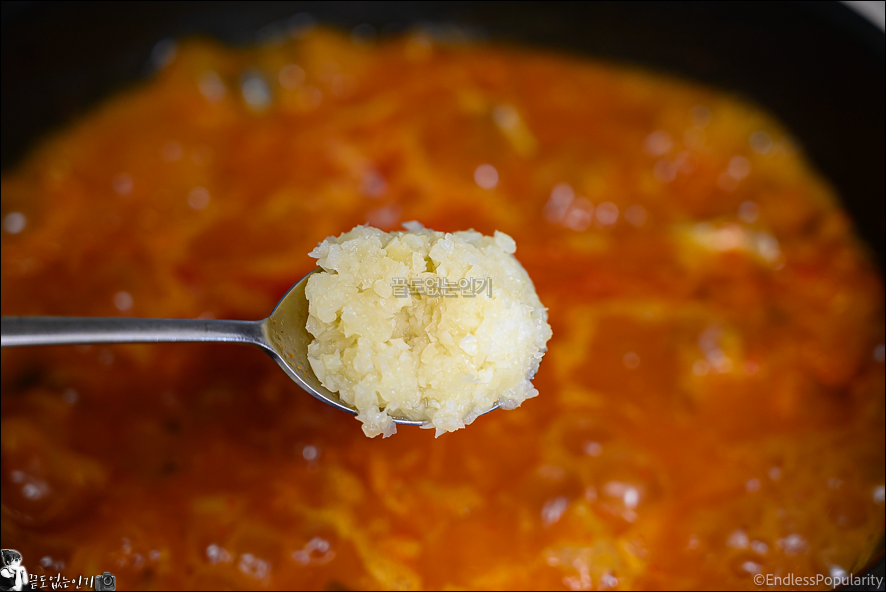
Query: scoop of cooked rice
x=424 y=325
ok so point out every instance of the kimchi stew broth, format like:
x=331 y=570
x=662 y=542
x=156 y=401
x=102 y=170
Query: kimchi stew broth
x=711 y=406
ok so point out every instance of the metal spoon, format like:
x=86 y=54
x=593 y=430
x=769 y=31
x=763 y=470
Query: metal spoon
x=282 y=335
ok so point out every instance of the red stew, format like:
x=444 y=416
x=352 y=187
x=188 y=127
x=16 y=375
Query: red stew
x=712 y=401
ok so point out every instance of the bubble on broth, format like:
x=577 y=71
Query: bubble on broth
x=486 y=176
x=14 y=222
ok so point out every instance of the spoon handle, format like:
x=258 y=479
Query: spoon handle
x=21 y=331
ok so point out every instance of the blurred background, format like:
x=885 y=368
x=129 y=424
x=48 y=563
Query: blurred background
x=802 y=61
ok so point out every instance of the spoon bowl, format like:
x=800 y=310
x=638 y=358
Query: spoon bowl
x=287 y=340
x=283 y=335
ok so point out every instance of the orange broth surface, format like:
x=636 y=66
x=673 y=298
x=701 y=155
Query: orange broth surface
x=711 y=404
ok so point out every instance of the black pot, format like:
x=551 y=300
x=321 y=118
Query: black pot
x=819 y=67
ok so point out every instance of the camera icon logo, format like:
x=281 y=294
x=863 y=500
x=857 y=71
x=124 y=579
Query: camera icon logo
x=106 y=581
